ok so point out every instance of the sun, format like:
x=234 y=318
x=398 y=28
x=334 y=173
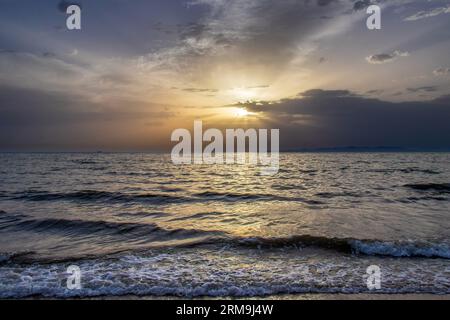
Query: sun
x=238 y=113
x=242 y=112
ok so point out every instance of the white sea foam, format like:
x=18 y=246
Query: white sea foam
x=402 y=249
x=230 y=272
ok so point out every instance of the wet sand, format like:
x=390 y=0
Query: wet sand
x=300 y=297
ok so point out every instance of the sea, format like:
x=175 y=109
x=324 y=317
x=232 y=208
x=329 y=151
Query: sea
x=136 y=224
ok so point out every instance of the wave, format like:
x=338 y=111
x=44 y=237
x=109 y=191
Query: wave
x=207 y=289
x=436 y=187
x=229 y=196
x=8 y=218
x=232 y=197
x=149 y=231
x=82 y=161
x=200 y=216
x=6 y=257
x=406 y=170
x=143 y=214
x=356 y=246
x=423 y=198
x=93 y=195
x=402 y=249
x=329 y=195
x=226 y=272
x=152 y=198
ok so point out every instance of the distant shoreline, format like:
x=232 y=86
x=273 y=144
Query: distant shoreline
x=319 y=150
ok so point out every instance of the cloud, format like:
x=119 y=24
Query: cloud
x=36 y=70
x=375 y=92
x=261 y=37
x=428 y=13
x=441 y=72
x=63 y=5
x=386 y=57
x=322 y=3
x=70 y=73
x=263 y=86
x=29 y=107
x=37 y=120
x=198 y=90
x=361 y=5
x=333 y=118
x=115 y=79
x=319 y=93
x=423 y=89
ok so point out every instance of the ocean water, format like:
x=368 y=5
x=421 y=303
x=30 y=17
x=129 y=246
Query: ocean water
x=137 y=224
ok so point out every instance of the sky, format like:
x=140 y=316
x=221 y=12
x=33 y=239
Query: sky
x=139 y=69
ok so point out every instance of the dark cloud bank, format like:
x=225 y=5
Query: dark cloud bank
x=340 y=118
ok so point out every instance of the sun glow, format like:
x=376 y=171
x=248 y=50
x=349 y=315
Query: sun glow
x=242 y=112
x=243 y=94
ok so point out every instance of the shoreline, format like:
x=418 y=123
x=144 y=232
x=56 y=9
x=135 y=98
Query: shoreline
x=287 y=297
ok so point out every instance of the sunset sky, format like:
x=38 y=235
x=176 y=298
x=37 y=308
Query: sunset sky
x=139 y=69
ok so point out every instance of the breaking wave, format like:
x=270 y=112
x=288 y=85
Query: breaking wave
x=150 y=232
x=224 y=272
x=356 y=246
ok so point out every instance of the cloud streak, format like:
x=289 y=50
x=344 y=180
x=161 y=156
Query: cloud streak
x=441 y=72
x=386 y=57
x=428 y=13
